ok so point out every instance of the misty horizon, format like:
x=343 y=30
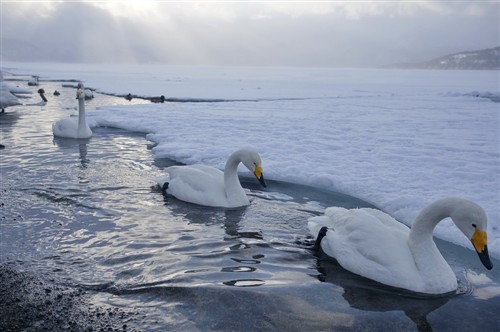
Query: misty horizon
x=355 y=34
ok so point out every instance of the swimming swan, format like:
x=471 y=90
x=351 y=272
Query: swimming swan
x=372 y=244
x=7 y=99
x=209 y=186
x=74 y=127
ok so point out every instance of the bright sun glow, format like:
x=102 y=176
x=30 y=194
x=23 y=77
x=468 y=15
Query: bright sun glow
x=138 y=8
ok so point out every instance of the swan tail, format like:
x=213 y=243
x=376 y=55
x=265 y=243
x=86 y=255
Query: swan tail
x=163 y=183
x=164 y=188
x=321 y=235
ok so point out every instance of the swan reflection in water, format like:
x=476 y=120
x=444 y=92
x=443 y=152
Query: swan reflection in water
x=70 y=145
x=197 y=214
x=368 y=295
x=82 y=147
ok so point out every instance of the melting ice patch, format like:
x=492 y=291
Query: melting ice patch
x=484 y=287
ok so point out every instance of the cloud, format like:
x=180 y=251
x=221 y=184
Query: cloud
x=246 y=33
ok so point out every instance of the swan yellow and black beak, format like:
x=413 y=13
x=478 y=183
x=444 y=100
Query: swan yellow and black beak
x=79 y=93
x=479 y=241
x=258 y=174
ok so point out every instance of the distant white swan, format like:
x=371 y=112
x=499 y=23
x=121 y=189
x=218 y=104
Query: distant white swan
x=88 y=94
x=209 y=186
x=33 y=81
x=15 y=90
x=372 y=244
x=7 y=99
x=74 y=127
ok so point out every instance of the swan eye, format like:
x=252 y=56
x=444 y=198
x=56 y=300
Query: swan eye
x=474 y=225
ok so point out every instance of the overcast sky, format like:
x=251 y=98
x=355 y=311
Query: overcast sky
x=338 y=33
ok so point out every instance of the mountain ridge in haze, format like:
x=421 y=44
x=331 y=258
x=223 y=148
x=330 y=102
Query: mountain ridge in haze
x=485 y=59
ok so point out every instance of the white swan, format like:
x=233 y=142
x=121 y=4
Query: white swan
x=33 y=81
x=372 y=244
x=88 y=94
x=7 y=99
x=205 y=185
x=74 y=127
x=15 y=90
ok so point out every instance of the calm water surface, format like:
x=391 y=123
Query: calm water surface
x=85 y=213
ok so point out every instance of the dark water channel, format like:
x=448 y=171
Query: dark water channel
x=83 y=213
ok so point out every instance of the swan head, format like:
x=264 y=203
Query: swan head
x=252 y=161
x=80 y=94
x=471 y=219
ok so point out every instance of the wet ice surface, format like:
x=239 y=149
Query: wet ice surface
x=85 y=214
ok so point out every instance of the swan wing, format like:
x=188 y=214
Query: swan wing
x=386 y=219
x=368 y=244
x=162 y=179
x=197 y=184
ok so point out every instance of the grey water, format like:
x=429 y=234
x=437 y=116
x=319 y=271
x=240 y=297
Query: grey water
x=85 y=213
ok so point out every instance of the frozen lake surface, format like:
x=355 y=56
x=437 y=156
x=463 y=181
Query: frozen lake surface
x=84 y=214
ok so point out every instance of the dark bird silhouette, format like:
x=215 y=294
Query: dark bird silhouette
x=42 y=94
x=160 y=99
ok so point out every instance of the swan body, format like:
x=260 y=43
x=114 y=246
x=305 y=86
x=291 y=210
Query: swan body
x=33 y=81
x=13 y=89
x=209 y=186
x=372 y=244
x=88 y=94
x=7 y=99
x=74 y=127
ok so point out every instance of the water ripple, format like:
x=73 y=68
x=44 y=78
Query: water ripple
x=245 y=283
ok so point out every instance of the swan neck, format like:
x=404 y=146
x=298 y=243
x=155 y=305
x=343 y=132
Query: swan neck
x=428 y=259
x=421 y=242
x=427 y=220
x=82 y=122
x=234 y=191
x=231 y=172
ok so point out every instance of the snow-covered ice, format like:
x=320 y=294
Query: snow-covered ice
x=397 y=138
